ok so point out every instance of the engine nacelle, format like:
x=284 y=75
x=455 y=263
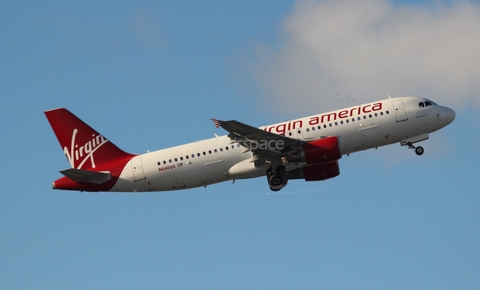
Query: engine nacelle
x=316 y=172
x=321 y=151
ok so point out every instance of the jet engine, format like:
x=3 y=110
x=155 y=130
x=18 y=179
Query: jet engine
x=316 y=172
x=320 y=151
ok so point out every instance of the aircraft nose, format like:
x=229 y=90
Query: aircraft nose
x=448 y=115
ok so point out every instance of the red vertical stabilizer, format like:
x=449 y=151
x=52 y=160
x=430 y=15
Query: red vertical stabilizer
x=85 y=149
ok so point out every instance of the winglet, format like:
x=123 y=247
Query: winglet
x=218 y=123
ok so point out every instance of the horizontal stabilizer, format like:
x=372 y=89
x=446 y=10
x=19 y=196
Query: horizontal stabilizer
x=79 y=175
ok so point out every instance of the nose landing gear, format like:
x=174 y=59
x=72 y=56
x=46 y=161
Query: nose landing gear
x=418 y=150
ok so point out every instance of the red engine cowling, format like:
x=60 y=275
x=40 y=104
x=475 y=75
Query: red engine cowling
x=321 y=151
x=321 y=171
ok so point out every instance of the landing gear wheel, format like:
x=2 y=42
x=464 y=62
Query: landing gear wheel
x=419 y=150
x=277 y=179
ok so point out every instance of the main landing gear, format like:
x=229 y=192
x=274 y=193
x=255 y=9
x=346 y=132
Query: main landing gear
x=418 y=150
x=277 y=179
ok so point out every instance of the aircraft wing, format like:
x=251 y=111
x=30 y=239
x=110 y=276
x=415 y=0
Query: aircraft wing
x=264 y=145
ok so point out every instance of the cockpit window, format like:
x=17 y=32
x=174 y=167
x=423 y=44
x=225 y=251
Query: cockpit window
x=426 y=104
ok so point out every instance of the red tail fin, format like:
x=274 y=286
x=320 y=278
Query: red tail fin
x=84 y=147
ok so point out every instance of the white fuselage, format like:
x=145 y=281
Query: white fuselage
x=358 y=128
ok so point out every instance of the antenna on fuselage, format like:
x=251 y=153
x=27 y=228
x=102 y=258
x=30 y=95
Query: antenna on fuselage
x=389 y=96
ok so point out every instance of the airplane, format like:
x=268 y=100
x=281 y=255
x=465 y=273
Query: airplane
x=307 y=148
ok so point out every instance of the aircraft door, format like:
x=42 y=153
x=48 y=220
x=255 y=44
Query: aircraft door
x=137 y=167
x=400 y=112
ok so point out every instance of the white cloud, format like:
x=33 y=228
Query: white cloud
x=368 y=49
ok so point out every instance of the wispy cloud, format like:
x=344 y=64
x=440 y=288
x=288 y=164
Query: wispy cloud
x=368 y=49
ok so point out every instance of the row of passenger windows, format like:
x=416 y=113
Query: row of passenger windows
x=181 y=158
x=346 y=121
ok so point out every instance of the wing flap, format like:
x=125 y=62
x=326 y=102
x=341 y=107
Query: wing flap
x=79 y=175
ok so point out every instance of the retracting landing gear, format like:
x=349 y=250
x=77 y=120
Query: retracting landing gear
x=418 y=150
x=277 y=179
x=409 y=142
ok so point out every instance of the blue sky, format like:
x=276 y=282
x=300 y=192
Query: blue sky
x=151 y=74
